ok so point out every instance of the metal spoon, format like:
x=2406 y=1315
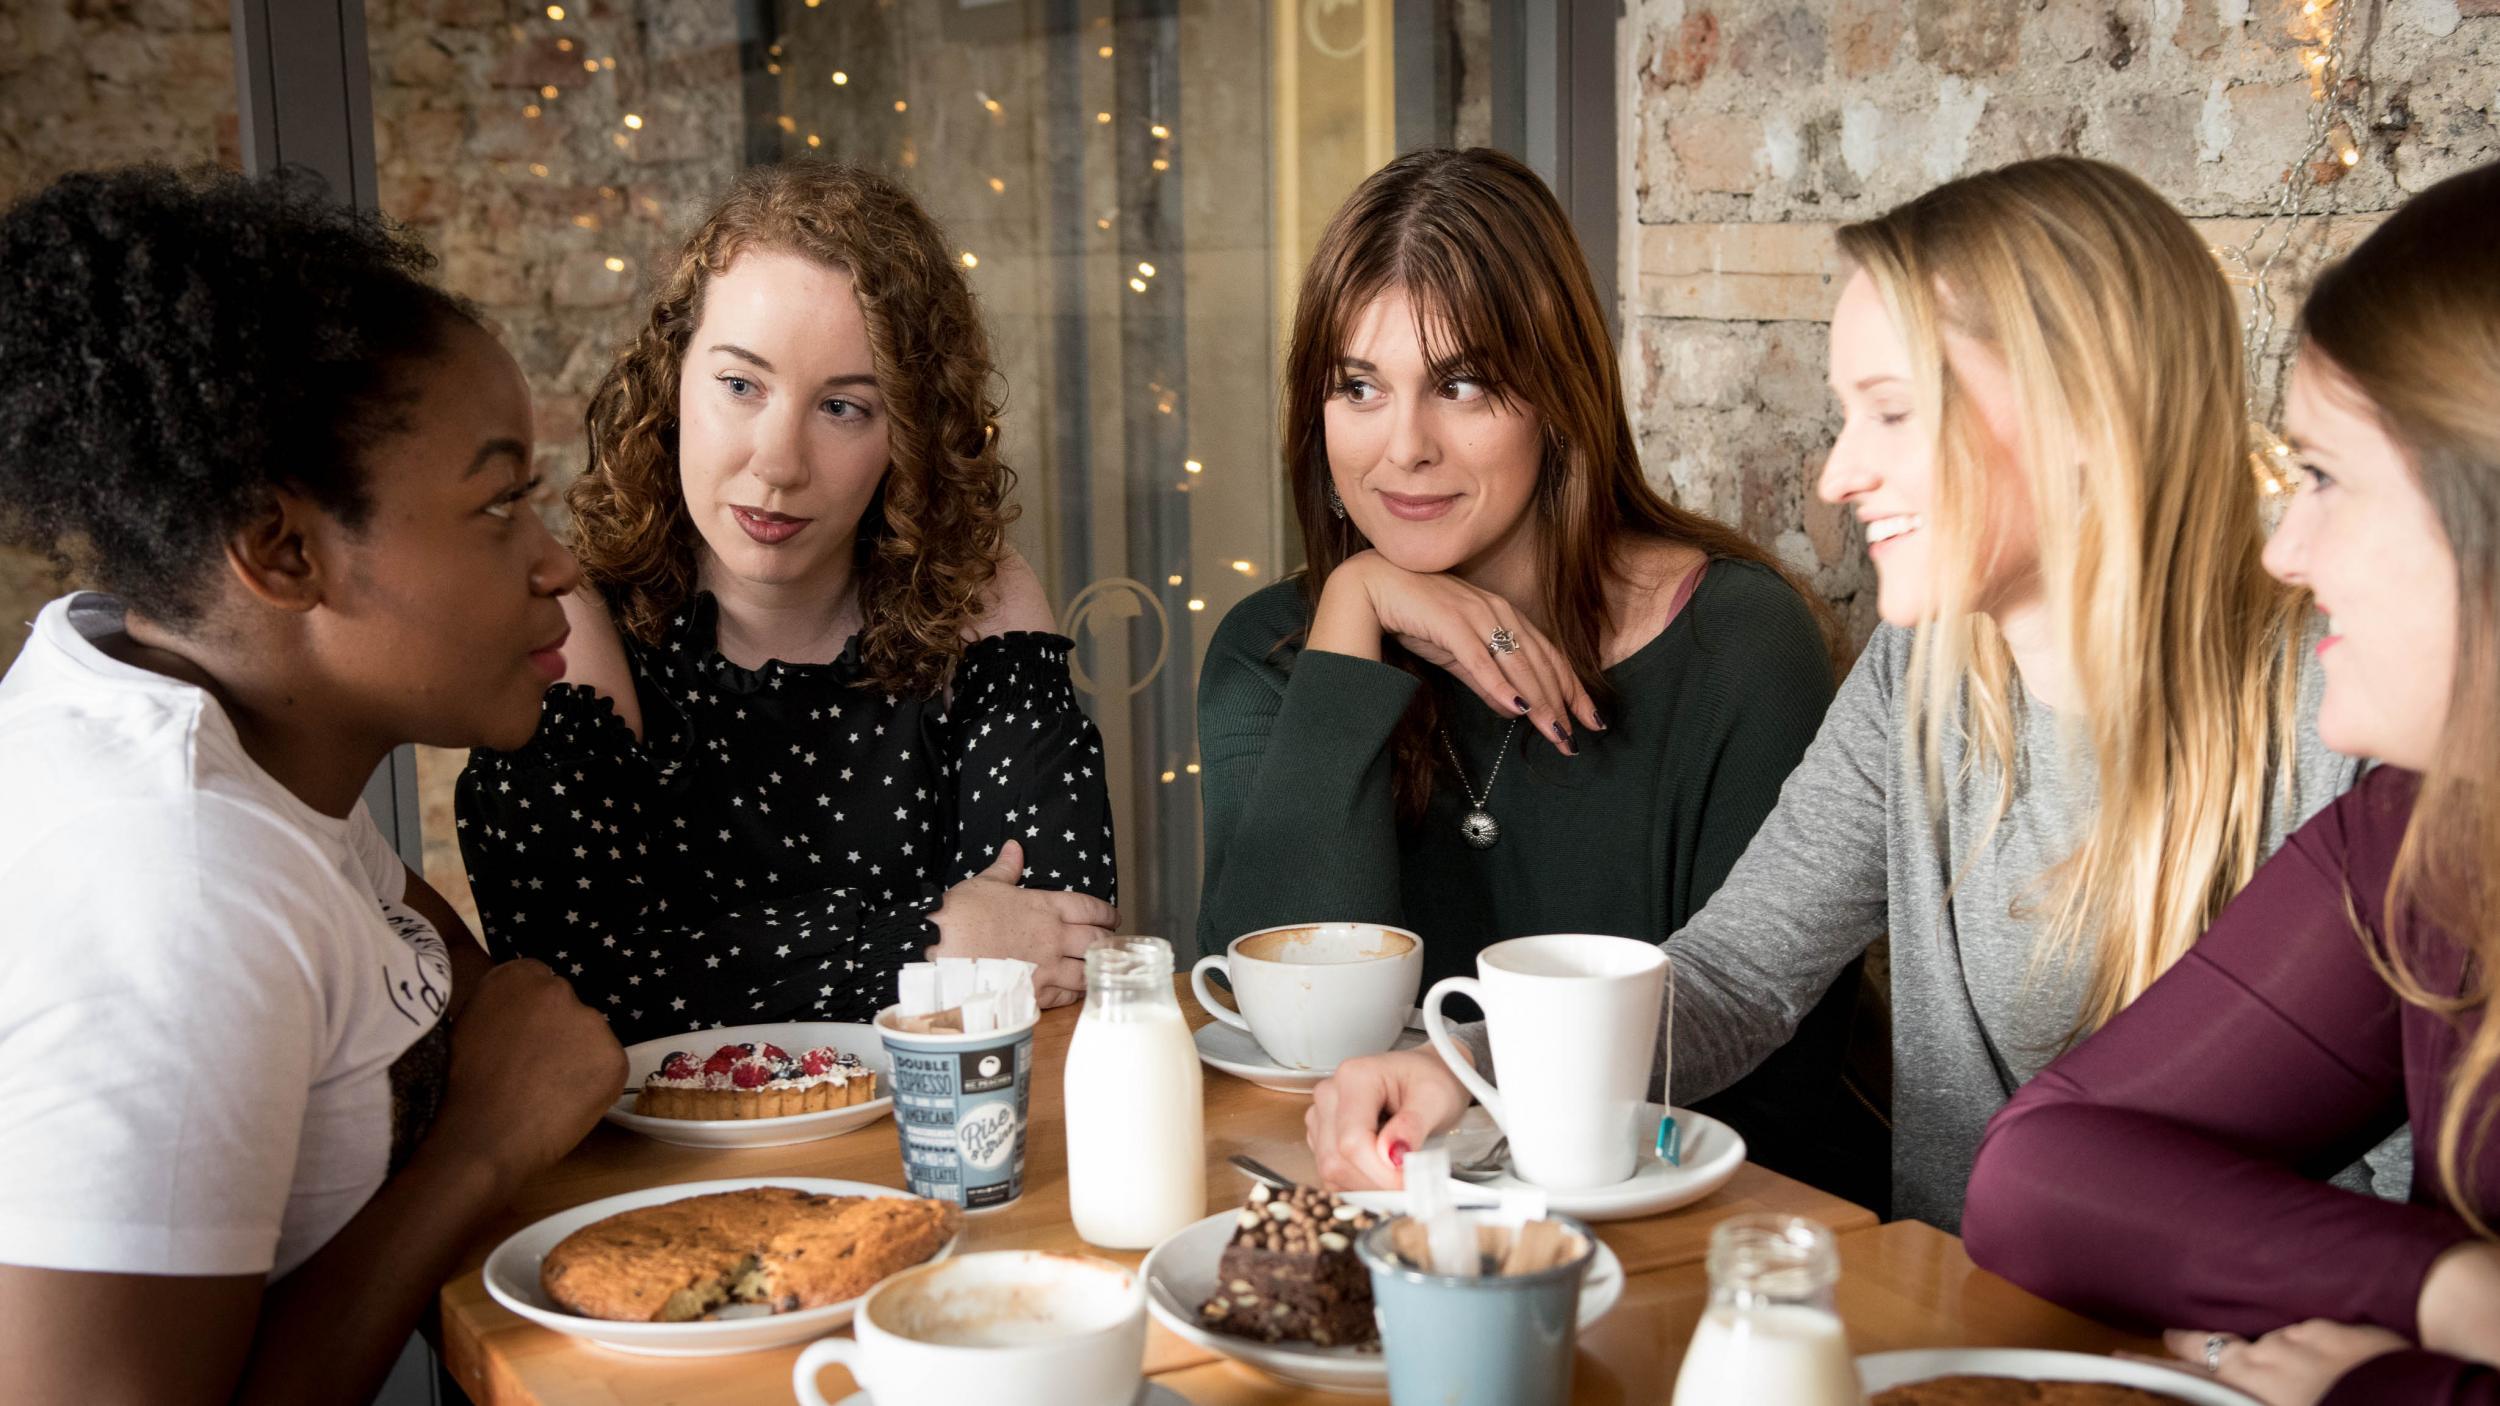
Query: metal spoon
x=1262 y=1171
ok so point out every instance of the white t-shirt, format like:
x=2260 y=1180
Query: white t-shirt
x=205 y=984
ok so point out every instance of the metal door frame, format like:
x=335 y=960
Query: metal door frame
x=304 y=97
x=1553 y=95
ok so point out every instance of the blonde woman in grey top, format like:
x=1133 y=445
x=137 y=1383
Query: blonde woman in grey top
x=2083 y=726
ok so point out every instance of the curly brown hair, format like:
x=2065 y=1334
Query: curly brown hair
x=931 y=538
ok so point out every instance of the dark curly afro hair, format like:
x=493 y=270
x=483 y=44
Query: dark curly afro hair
x=177 y=346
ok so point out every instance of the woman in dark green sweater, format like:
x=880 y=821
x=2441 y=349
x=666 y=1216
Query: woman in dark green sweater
x=1516 y=691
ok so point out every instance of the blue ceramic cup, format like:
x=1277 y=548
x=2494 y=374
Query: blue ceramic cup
x=1503 y=1340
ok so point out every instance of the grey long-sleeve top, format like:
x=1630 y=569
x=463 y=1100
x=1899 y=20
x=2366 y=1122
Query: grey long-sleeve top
x=1854 y=851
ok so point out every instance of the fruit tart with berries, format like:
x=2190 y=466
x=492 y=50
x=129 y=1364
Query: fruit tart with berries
x=754 y=1081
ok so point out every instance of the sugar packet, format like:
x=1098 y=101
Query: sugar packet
x=919 y=989
x=958 y=978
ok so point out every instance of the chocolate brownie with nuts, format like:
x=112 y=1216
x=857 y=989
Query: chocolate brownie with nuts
x=1289 y=1274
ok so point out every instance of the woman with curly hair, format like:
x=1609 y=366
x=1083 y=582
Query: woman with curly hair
x=814 y=724
x=263 y=1089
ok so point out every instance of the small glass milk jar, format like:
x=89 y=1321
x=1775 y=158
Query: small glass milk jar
x=1771 y=1332
x=1135 y=1105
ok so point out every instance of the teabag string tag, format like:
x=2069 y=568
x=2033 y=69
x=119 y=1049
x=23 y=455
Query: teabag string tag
x=1670 y=1137
x=1452 y=1243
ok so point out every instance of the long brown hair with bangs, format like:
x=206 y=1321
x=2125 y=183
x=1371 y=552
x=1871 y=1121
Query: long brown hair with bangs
x=1487 y=257
x=930 y=540
x=2412 y=319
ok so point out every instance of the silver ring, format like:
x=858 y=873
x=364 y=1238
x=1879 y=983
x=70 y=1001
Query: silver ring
x=2214 y=1343
x=1501 y=641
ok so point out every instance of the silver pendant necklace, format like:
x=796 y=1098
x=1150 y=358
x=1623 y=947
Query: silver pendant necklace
x=1477 y=827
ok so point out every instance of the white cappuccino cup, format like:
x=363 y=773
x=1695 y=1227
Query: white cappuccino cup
x=1006 y=1328
x=1317 y=994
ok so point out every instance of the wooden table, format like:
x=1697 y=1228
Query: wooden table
x=1903 y=1285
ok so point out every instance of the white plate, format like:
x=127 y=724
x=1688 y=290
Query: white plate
x=643 y=1059
x=1222 y=1047
x=1180 y=1275
x=511 y=1275
x=1712 y=1152
x=1154 y=1394
x=1881 y=1370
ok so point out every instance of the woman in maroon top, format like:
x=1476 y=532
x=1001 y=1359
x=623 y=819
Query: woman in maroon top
x=2171 y=1169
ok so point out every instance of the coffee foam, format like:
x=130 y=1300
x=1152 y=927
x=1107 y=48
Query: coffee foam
x=1327 y=945
x=1041 y=1302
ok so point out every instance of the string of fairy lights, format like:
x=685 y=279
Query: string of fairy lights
x=2335 y=54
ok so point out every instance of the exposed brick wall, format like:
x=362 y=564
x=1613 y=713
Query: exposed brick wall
x=1756 y=125
x=99 y=83
x=527 y=197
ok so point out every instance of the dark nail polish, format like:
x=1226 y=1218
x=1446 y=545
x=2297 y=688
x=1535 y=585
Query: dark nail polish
x=1597 y=720
x=1522 y=702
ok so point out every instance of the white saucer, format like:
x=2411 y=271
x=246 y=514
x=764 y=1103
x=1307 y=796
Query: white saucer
x=1879 y=1371
x=1712 y=1152
x=511 y=1275
x=1180 y=1275
x=1220 y=1046
x=1154 y=1394
x=861 y=1041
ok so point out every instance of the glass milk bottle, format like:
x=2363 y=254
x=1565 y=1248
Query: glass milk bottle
x=1136 y=1122
x=1771 y=1333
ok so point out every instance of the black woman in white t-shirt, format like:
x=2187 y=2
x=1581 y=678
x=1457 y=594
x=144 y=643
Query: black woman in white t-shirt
x=259 y=1086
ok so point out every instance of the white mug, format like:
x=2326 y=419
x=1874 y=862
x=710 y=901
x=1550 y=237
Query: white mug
x=1006 y=1328
x=1317 y=994
x=1574 y=1025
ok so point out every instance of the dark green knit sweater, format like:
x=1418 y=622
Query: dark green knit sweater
x=1629 y=838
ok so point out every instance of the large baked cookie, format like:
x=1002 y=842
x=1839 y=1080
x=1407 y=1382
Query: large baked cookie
x=776 y=1246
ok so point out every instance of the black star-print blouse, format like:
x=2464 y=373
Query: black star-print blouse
x=771 y=849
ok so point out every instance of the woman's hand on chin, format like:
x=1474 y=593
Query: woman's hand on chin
x=1460 y=629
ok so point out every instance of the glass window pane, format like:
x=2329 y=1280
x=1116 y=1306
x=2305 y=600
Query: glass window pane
x=1133 y=188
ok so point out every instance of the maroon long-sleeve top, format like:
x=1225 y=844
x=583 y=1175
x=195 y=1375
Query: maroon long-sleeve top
x=2172 y=1169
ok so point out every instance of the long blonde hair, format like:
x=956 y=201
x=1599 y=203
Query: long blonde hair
x=2123 y=348
x=2412 y=319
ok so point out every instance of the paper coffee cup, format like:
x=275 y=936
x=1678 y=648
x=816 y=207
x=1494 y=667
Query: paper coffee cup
x=959 y=1107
